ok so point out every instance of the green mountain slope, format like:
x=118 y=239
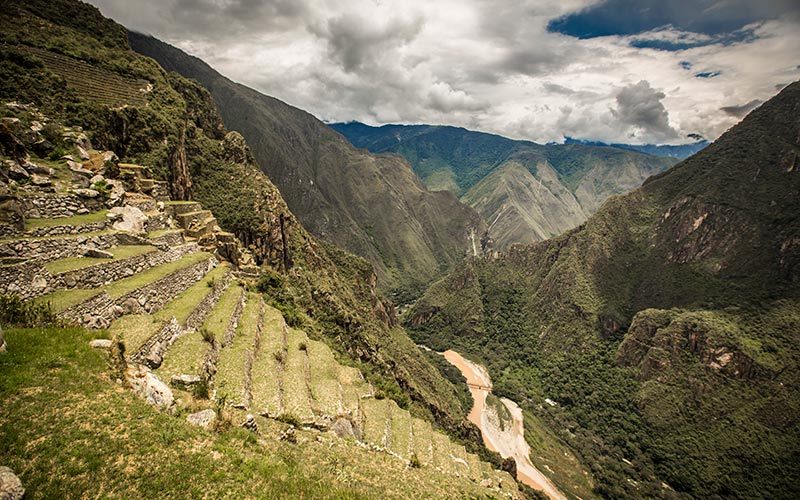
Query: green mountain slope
x=371 y=205
x=664 y=329
x=177 y=132
x=473 y=165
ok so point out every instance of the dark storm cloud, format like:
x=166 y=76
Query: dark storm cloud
x=743 y=109
x=629 y=17
x=639 y=107
x=353 y=39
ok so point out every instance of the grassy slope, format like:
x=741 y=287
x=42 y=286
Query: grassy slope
x=70 y=432
x=371 y=205
x=716 y=235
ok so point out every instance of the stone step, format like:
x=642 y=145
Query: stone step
x=234 y=368
x=186 y=219
x=175 y=208
x=326 y=391
x=203 y=228
x=146 y=292
x=267 y=373
x=296 y=395
x=141 y=201
x=171 y=237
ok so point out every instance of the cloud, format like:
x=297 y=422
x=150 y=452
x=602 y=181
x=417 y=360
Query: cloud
x=741 y=110
x=491 y=66
x=640 y=109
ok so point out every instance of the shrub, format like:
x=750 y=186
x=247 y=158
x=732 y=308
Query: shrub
x=17 y=312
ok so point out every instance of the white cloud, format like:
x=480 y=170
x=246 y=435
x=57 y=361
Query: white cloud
x=491 y=66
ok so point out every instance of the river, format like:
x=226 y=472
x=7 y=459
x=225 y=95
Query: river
x=509 y=442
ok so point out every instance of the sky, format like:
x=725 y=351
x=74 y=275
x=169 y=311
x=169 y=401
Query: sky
x=627 y=71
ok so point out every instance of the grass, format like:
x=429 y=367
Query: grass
x=295 y=390
x=353 y=387
x=80 y=262
x=127 y=285
x=324 y=378
x=267 y=373
x=219 y=318
x=76 y=220
x=230 y=368
x=376 y=413
x=441 y=452
x=401 y=430
x=64 y=299
x=422 y=439
x=70 y=433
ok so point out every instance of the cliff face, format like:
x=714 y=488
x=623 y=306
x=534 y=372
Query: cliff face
x=668 y=317
x=371 y=205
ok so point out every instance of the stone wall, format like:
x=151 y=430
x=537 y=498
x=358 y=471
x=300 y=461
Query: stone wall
x=67 y=229
x=58 y=205
x=55 y=248
x=96 y=313
x=27 y=279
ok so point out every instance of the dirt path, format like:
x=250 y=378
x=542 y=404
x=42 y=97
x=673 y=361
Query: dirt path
x=509 y=442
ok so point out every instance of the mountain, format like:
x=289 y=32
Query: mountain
x=663 y=330
x=371 y=205
x=72 y=89
x=681 y=151
x=525 y=191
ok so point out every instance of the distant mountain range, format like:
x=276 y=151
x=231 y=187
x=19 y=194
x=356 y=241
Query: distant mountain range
x=676 y=151
x=525 y=191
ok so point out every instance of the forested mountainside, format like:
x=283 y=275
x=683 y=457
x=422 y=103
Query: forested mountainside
x=76 y=69
x=663 y=331
x=525 y=191
x=371 y=205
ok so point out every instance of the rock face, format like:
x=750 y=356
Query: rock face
x=133 y=219
x=10 y=485
x=203 y=418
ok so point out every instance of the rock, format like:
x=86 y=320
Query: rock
x=250 y=423
x=82 y=211
x=15 y=171
x=343 y=428
x=36 y=126
x=133 y=219
x=101 y=344
x=41 y=180
x=97 y=178
x=82 y=143
x=289 y=435
x=10 y=485
x=82 y=152
x=160 y=205
x=150 y=388
x=42 y=147
x=184 y=381
x=97 y=253
x=73 y=165
x=3 y=347
x=86 y=193
x=203 y=418
x=38 y=169
x=68 y=158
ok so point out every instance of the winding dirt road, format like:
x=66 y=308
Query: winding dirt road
x=509 y=442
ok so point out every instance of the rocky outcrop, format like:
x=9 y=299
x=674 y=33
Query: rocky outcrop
x=149 y=387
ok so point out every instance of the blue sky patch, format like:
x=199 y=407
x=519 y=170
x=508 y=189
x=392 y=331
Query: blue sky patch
x=707 y=74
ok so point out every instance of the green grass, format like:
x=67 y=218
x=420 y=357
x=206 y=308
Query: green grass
x=217 y=321
x=229 y=380
x=127 y=285
x=185 y=303
x=79 y=262
x=267 y=374
x=62 y=300
x=441 y=452
x=71 y=433
x=422 y=439
x=353 y=387
x=162 y=232
x=376 y=413
x=76 y=220
x=324 y=378
x=295 y=391
x=401 y=430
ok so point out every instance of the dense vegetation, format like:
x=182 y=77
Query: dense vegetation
x=664 y=329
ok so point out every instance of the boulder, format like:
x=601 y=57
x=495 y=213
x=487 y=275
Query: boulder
x=41 y=180
x=250 y=423
x=150 y=388
x=82 y=153
x=97 y=178
x=97 y=253
x=203 y=418
x=133 y=219
x=3 y=347
x=101 y=344
x=184 y=381
x=15 y=171
x=86 y=193
x=10 y=485
x=39 y=169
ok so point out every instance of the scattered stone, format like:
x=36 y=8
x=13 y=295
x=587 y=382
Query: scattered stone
x=97 y=178
x=41 y=180
x=15 y=171
x=3 y=347
x=150 y=388
x=82 y=142
x=38 y=169
x=10 y=485
x=184 y=381
x=289 y=435
x=250 y=423
x=68 y=158
x=101 y=343
x=97 y=253
x=82 y=211
x=160 y=205
x=86 y=193
x=73 y=165
x=133 y=219
x=203 y=418
x=343 y=428
x=36 y=126
x=82 y=152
